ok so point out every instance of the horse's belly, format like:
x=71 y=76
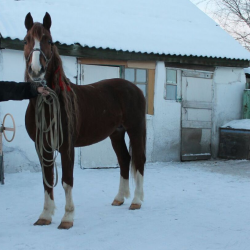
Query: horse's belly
x=86 y=139
x=91 y=133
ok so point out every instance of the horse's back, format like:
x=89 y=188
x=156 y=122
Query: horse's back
x=106 y=105
x=115 y=93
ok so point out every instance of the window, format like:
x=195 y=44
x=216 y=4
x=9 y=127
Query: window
x=138 y=77
x=171 y=84
x=140 y=73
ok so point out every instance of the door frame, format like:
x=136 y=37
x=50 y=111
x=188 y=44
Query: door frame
x=200 y=125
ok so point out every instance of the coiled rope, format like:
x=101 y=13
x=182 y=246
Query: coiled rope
x=52 y=132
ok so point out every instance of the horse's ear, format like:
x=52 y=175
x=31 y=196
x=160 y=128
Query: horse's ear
x=47 y=21
x=28 y=21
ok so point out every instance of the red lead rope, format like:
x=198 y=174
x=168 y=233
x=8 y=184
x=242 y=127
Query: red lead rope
x=61 y=83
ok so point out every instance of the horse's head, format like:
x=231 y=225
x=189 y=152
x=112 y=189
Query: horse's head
x=38 y=47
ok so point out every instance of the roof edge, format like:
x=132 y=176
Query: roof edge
x=76 y=50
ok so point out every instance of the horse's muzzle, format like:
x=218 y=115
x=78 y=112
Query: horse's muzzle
x=36 y=76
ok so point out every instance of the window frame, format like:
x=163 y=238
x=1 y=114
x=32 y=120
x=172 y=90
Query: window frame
x=178 y=97
x=140 y=83
x=149 y=66
x=135 y=80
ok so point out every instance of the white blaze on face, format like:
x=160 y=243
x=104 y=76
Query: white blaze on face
x=35 y=63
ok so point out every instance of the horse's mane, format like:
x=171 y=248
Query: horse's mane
x=66 y=94
x=60 y=84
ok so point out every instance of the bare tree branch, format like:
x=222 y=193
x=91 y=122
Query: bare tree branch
x=233 y=16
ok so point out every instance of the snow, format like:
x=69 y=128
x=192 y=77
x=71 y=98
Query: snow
x=192 y=205
x=162 y=27
x=238 y=124
x=247 y=70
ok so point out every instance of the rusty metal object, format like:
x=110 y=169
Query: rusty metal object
x=2 y=131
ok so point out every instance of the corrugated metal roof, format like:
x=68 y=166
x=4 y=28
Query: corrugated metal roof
x=174 y=27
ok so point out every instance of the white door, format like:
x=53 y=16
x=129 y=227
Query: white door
x=99 y=155
x=196 y=115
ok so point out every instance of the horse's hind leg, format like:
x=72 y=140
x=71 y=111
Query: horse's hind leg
x=67 y=182
x=137 y=142
x=49 y=205
x=120 y=148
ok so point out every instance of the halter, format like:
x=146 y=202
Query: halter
x=45 y=57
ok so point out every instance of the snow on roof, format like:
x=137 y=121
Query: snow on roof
x=247 y=70
x=154 y=26
x=238 y=124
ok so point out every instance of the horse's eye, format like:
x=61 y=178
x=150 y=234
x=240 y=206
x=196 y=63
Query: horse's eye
x=25 y=42
x=50 y=42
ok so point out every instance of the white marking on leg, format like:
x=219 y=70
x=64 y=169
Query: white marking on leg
x=49 y=207
x=35 y=63
x=69 y=207
x=123 y=190
x=138 y=195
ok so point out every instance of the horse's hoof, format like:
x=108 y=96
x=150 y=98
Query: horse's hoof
x=65 y=225
x=42 y=222
x=134 y=206
x=117 y=203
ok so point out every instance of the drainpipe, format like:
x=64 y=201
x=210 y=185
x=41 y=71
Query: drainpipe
x=1 y=42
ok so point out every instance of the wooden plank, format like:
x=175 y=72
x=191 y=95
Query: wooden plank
x=1 y=170
x=127 y=64
x=91 y=61
x=141 y=64
x=199 y=105
x=193 y=157
x=196 y=124
x=190 y=66
x=197 y=74
x=151 y=92
x=246 y=104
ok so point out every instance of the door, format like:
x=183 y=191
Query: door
x=196 y=115
x=99 y=155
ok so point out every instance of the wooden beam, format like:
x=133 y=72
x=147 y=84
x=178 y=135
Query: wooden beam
x=90 y=61
x=141 y=65
x=151 y=91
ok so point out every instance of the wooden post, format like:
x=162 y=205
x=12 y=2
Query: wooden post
x=1 y=157
x=246 y=104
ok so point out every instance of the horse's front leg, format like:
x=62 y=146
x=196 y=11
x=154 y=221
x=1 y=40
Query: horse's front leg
x=67 y=182
x=49 y=205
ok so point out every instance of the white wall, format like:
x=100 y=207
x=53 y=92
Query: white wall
x=166 y=122
x=163 y=128
x=20 y=154
x=229 y=84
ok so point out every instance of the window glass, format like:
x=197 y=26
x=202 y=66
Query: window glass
x=171 y=92
x=130 y=75
x=171 y=76
x=141 y=75
x=143 y=88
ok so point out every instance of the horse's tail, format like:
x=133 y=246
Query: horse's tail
x=132 y=165
x=141 y=151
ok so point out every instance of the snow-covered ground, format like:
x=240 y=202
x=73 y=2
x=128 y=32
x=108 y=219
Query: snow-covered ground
x=188 y=206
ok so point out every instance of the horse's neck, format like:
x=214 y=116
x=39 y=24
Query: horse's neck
x=52 y=71
x=49 y=80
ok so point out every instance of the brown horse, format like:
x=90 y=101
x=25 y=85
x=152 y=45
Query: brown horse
x=90 y=114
